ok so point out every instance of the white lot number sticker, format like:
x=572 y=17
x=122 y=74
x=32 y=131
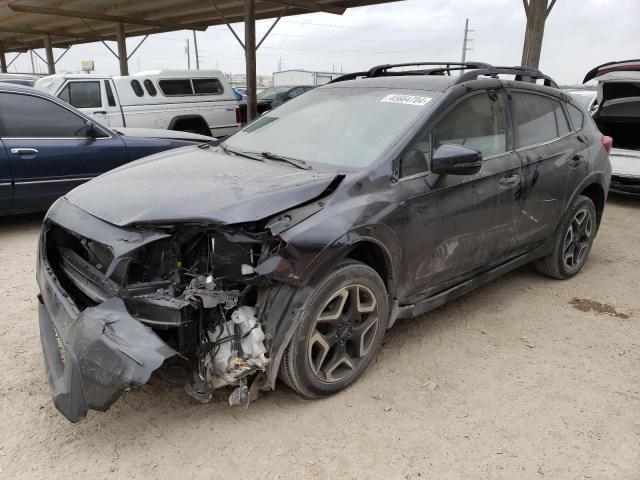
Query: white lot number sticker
x=416 y=100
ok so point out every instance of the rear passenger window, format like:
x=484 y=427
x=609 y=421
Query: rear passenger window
x=137 y=89
x=477 y=122
x=577 y=118
x=82 y=94
x=537 y=119
x=176 y=87
x=210 y=86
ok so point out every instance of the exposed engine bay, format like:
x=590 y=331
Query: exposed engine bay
x=195 y=287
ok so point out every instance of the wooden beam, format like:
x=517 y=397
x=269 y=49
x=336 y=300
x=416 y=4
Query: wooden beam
x=312 y=6
x=250 y=57
x=60 y=12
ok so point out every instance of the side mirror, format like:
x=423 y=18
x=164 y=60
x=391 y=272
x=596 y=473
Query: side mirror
x=456 y=160
x=91 y=130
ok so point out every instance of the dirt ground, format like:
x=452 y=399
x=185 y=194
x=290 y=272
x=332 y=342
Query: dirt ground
x=526 y=378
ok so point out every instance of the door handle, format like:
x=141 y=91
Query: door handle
x=101 y=112
x=24 y=151
x=508 y=182
x=576 y=161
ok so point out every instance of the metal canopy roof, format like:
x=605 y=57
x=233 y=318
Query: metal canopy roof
x=24 y=24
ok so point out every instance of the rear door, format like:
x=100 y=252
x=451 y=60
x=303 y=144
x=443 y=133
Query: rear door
x=550 y=154
x=49 y=151
x=456 y=225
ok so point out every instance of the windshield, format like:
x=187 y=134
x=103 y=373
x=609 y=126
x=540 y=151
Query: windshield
x=271 y=93
x=346 y=127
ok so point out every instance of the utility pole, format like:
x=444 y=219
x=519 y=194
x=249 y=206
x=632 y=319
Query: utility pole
x=466 y=41
x=195 y=47
x=188 y=52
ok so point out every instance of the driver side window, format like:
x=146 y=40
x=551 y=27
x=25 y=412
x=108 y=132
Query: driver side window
x=476 y=122
x=418 y=157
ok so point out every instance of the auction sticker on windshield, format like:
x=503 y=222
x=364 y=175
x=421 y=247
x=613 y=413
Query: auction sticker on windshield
x=417 y=100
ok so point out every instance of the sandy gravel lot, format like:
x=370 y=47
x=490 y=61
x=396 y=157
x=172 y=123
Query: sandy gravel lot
x=526 y=378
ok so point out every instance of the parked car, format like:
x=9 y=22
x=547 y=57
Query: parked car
x=47 y=148
x=279 y=254
x=586 y=97
x=617 y=114
x=197 y=101
x=274 y=96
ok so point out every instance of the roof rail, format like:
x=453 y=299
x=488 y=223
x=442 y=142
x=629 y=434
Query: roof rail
x=469 y=71
x=521 y=73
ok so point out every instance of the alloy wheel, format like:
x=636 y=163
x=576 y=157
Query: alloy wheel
x=343 y=333
x=577 y=239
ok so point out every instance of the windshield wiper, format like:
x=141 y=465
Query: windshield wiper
x=296 y=162
x=240 y=153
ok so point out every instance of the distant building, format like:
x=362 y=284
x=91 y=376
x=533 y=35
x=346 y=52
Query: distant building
x=303 y=77
x=239 y=80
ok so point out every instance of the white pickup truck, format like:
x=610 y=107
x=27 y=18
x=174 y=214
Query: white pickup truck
x=198 y=101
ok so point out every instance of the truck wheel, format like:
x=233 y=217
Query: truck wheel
x=340 y=332
x=573 y=241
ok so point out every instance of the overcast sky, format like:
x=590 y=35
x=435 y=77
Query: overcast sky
x=579 y=34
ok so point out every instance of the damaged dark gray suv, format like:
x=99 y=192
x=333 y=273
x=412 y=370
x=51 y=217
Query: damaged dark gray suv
x=288 y=250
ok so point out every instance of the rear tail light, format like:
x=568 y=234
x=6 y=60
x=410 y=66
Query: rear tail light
x=607 y=143
x=238 y=116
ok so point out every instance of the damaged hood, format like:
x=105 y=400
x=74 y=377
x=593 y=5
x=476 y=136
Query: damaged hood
x=199 y=185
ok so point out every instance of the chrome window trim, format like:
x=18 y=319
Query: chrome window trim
x=56 y=180
x=518 y=150
x=56 y=138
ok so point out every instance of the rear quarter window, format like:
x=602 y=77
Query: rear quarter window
x=577 y=117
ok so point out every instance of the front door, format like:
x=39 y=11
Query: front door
x=49 y=151
x=459 y=224
x=88 y=96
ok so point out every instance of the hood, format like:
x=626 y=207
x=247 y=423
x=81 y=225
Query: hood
x=625 y=162
x=159 y=133
x=194 y=184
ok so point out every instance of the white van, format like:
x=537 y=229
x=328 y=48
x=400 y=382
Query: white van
x=198 y=101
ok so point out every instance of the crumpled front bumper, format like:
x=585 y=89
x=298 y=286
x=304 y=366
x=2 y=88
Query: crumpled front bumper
x=92 y=355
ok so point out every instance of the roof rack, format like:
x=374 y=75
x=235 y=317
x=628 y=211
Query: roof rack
x=470 y=71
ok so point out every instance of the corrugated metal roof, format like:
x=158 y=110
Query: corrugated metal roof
x=24 y=23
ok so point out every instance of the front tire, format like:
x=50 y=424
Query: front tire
x=573 y=241
x=340 y=332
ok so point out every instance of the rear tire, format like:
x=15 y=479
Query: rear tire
x=340 y=332
x=573 y=241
